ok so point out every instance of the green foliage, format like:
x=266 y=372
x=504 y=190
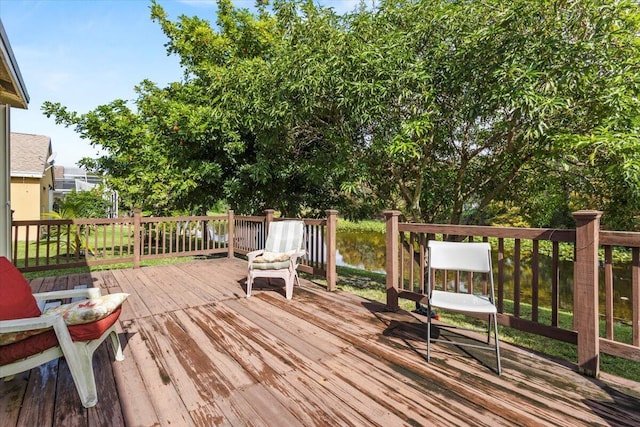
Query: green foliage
x=445 y=110
x=69 y=236
x=361 y=226
x=83 y=204
x=77 y=204
x=501 y=86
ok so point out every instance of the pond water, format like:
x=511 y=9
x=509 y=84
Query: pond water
x=362 y=250
x=366 y=251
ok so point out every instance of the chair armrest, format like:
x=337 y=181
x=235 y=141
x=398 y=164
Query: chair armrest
x=293 y=259
x=300 y=253
x=27 y=324
x=71 y=293
x=253 y=254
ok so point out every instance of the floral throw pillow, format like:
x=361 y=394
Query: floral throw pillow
x=89 y=310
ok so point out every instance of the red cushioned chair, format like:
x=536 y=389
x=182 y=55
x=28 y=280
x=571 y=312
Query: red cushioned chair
x=29 y=338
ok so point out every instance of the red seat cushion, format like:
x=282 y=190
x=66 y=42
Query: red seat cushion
x=16 y=298
x=41 y=342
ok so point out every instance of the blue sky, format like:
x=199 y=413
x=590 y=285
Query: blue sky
x=87 y=53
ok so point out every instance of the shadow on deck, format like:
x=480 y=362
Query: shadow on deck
x=197 y=352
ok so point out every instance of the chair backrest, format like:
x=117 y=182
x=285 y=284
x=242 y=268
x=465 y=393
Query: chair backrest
x=460 y=256
x=285 y=236
x=473 y=257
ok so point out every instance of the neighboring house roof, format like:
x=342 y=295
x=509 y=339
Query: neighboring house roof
x=29 y=154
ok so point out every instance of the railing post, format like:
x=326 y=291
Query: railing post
x=331 y=242
x=137 y=238
x=268 y=215
x=392 y=259
x=585 y=291
x=231 y=232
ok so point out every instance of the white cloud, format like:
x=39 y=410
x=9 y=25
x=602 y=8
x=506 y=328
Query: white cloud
x=55 y=81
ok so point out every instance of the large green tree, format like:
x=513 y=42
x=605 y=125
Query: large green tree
x=484 y=99
x=447 y=110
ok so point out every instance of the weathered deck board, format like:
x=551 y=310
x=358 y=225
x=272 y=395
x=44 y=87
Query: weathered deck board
x=105 y=382
x=12 y=396
x=166 y=401
x=226 y=277
x=307 y=339
x=198 y=353
x=136 y=306
x=67 y=411
x=37 y=406
x=137 y=407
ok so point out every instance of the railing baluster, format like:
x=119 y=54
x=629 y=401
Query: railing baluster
x=58 y=244
x=26 y=248
x=516 y=278
x=95 y=239
x=635 y=296
x=500 y=275
x=48 y=243
x=555 y=279
x=535 y=264
x=16 y=231
x=423 y=262
x=37 y=246
x=608 y=291
x=411 y=263
x=403 y=264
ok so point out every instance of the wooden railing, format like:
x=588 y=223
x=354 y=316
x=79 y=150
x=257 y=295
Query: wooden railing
x=58 y=244
x=406 y=269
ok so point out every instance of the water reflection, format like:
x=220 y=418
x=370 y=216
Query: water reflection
x=366 y=251
x=362 y=250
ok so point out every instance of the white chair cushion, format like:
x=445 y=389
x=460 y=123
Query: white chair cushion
x=462 y=302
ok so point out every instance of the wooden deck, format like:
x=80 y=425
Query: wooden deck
x=198 y=353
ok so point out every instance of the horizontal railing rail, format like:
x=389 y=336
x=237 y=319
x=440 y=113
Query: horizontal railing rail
x=526 y=262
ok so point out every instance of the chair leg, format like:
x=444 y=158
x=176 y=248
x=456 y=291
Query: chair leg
x=249 y=283
x=429 y=335
x=495 y=325
x=296 y=278
x=79 y=358
x=115 y=344
x=288 y=284
x=81 y=367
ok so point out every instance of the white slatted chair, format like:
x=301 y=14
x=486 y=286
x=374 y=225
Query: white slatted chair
x=279 y=258
x=474 y=257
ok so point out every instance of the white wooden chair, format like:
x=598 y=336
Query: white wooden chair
x=472 y=257
x=279 y=258
x=78 y=354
